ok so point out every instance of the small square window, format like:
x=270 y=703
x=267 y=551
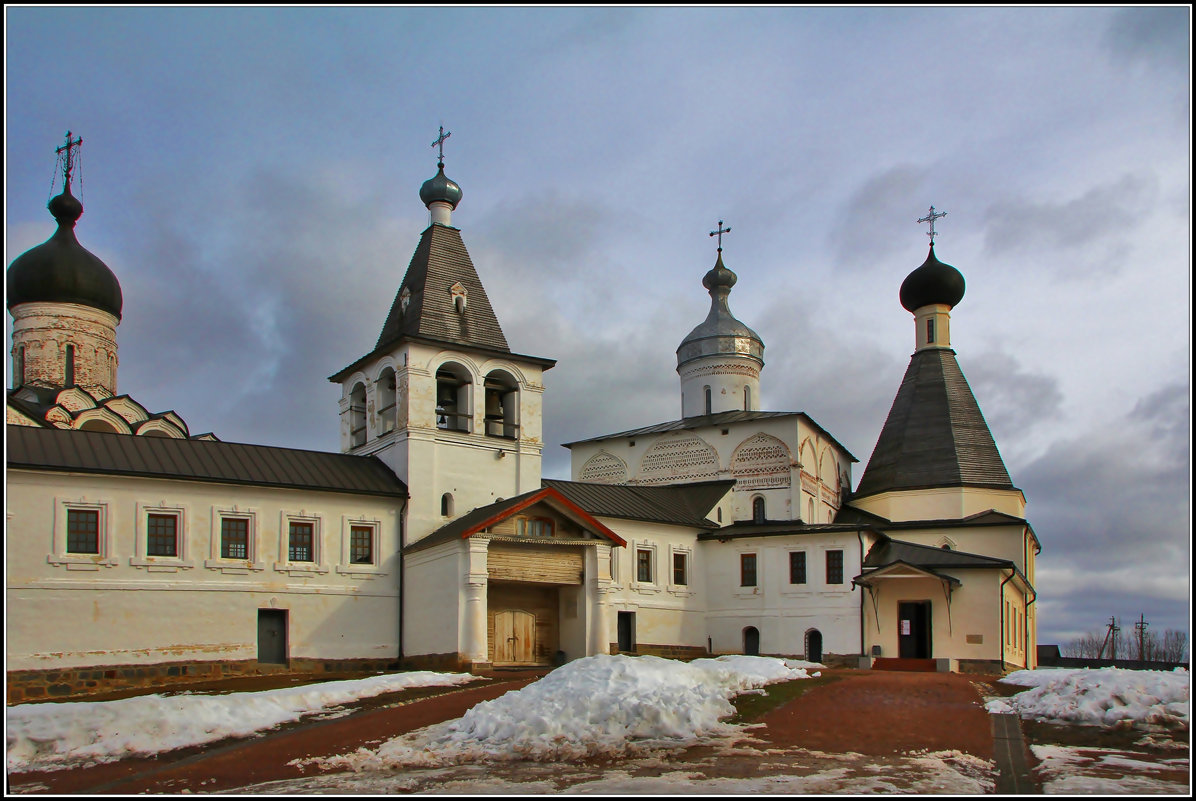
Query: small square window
x=534 y=527
x=162 y=535
x=643 y=566
x=234 y=538
x=83 y=531
x=301 y=542
x=361 y=545
x=679 y=572
x=834 y=567
x=747 y=570
x=797 y=567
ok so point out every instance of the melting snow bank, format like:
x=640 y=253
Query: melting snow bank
x=600 y=705
x=1102 y=697
x=54 y=736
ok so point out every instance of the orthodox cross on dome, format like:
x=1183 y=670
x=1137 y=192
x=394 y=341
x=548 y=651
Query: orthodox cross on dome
x=66 y=154
x=930 y=218
x=440 y=143
x=719 y=233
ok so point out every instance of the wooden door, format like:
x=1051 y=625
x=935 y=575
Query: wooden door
x=514 y=637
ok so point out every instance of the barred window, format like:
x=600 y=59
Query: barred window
x=162 y=535
x=643 y=565
x=834 y=567
x=82 y=531
x=797 y=567
x=747 y=570
x=679 y=573
x=234 y=538
x=361 y=545
x=302 y=541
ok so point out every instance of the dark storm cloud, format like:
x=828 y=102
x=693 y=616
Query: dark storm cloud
x=1156 y=36
x=1112 y=509
x=1016 y=403
x=302 y=293
x=1091 y=227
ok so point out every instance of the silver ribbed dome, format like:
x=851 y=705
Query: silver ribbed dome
x=720 y=334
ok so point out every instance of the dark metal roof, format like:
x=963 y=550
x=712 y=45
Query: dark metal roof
x=675 y=504
x=711 y=420
x=72 y=451
x=887 y=551
x=440 y=261
x=935 y=434
x=60 y=270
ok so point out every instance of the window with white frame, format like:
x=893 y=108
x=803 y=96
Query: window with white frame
x=797 y=567
x=680 y=568
x=301 y=541
x=643 y=565
x=161 y=537
x=361 y=545
x=747 y=570
x=82 y=536
x=234 y=547
x=301 y=544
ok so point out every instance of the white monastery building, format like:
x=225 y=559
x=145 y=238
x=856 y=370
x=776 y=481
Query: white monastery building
x=138 y=553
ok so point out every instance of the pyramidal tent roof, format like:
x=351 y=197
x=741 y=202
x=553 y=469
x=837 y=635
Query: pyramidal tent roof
x=935 y=434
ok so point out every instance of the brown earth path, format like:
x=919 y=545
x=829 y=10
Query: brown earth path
x=882 y=712
x=867 y=712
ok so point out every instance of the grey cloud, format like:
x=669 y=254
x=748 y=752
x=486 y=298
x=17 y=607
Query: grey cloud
x=1015 y=402
x=1155 y=36
x=1092 y=226
x=868 y=225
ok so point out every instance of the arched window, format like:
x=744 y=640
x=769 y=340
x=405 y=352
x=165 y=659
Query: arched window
x=357 y=429
x=446 y=505
x=758 y=510
x=810 y=510
x=453 y=385
x=18 y=373
x=706 y=392
x=69 y=371
x=387 y=408
x=747 y=399
x=502 y=405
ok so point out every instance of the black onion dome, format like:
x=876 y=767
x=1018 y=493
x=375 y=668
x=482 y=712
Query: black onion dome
x=932 y=283
x=60 y=270
x=440 y=187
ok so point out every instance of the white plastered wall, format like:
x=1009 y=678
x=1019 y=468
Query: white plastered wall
x=123 y=607
x=783 y=612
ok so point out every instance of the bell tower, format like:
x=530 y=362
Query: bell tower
x=441 y=398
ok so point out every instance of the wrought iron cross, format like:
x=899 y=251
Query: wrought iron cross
x=719 y=233
x=930 y=218
x=440 y=142
x=67 y=154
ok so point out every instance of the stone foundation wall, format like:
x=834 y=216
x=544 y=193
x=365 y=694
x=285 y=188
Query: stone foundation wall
x=667 y=651
x=451 y=663
x=986 y=667
x=24 y=686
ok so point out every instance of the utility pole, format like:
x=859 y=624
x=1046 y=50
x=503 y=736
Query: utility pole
x=1141 y=627
x=1110 y=639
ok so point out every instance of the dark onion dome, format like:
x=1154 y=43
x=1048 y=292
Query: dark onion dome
x=440 y=187
x=60 y=270
x=932 y=283
x=720 y=334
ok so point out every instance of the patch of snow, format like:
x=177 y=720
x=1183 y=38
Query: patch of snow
x=597 y=706
x=1065 y=770
x=1102 y=697
x=53 y=736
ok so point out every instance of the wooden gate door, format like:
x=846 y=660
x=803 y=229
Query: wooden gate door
x=514 y=637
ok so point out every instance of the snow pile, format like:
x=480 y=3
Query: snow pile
x=599 y=705
x=54 y=736
x=1103 y=697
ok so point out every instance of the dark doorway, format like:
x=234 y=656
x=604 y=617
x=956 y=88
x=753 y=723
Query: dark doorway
x=751 y=641
x=272 y=636
x=913 y=630
x=814 y=645
x=627 y=632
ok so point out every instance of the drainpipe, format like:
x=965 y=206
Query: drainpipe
x=402 y=574
x=1001 y=602
x=1026 y=633
x=860 y=537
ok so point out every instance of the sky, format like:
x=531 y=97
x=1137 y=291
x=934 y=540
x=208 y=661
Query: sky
x=251 y=175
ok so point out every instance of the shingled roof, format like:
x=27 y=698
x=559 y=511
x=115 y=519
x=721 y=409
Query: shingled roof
x=71 y=451
x=439 y=262
x=935 y=434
